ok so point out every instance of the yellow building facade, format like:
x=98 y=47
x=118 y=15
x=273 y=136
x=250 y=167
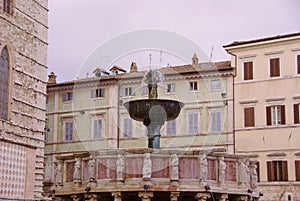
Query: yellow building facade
x=266 y=110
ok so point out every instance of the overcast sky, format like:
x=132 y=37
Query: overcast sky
x=78 y=27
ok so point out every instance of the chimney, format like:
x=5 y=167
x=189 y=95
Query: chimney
x=52 y=78
x=195 y=59
x=133 y=67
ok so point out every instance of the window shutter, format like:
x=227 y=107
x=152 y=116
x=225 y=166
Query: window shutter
x=282 y=110
x=284 y=171
x=270 y=171
x=274 y=67
x=296 y=113
x=269 y=117
x=249 y=120
x=298 y=64
x=248 y=70
x=297 y=170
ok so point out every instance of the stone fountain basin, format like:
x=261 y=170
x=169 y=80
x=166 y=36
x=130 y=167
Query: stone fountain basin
x=139 y=109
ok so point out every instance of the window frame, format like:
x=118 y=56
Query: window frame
x=8 y=6
x=213 y=88
x=244 y=70
x=212 y=124
x=296 y=112
x=170 y=88
x=297 y=170
x=128 y=91
x=275 y=121
x=67 y=96
x=280 y=67
x=193 y=86
x=98 y=136
x=68 y=137
x=98 y=93
x=7 y=81
x=297 y=63
x=127 y=129
x=171 y=129
x=247 y=110
x=190 y=130
x=277 y=171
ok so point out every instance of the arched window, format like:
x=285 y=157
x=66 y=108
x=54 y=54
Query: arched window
x=8 y=6
x=4 y=83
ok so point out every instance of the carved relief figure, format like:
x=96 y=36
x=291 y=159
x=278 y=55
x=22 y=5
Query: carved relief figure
x=147 y=167
x=76 y=175
x=92 y=168
x=203 y=167
x=59 y=173
x=120 y=167
x=253 y=175
x=242 y=171
x=174 y=167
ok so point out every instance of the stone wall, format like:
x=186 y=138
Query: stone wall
x=24 y=33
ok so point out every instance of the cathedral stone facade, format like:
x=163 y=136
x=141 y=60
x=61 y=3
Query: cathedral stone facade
x=23 y=65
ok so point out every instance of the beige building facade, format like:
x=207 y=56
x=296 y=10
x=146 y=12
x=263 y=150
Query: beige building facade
x=23 y=64
x=266 y=110
x=86 y=118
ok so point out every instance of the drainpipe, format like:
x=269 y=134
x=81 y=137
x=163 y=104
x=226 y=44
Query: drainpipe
x=233 y=108
x=118 y=117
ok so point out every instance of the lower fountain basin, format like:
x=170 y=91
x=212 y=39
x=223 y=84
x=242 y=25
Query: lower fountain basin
x=139 y=110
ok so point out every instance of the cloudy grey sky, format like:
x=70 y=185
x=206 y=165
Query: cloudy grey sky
x=78 y=27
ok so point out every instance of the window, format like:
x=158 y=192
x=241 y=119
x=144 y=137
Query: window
x=4 y=83
x=298 y=64
x=215 y=122
x=297 y=170
x=249 y=118
x=98 y=127
x=171 y=128
x=296 y=114
x=127 y=128
x=215 y=84
x=128 y=91
x=8 y=6
x=97 y=93
x=248 y=70
x=144 y=90
x=171 y=88
x=275 y=115
x=193 y=86
x=275 y=67
x=277 y=170
x=68 y=130
x=67 y=96
x=193 y=123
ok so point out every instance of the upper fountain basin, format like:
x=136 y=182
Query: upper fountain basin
x=139 y=109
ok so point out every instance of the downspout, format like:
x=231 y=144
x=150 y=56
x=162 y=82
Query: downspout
x=233 y=108
x=118 y=117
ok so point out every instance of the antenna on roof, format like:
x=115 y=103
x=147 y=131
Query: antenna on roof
x=150 y=58
x=160 y=58
x=211 y=53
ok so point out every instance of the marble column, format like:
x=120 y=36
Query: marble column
x=174 y=196
x=117 y=196
x=202 y=196
x=146 y=196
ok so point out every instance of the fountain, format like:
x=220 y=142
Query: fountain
x=153 y=112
